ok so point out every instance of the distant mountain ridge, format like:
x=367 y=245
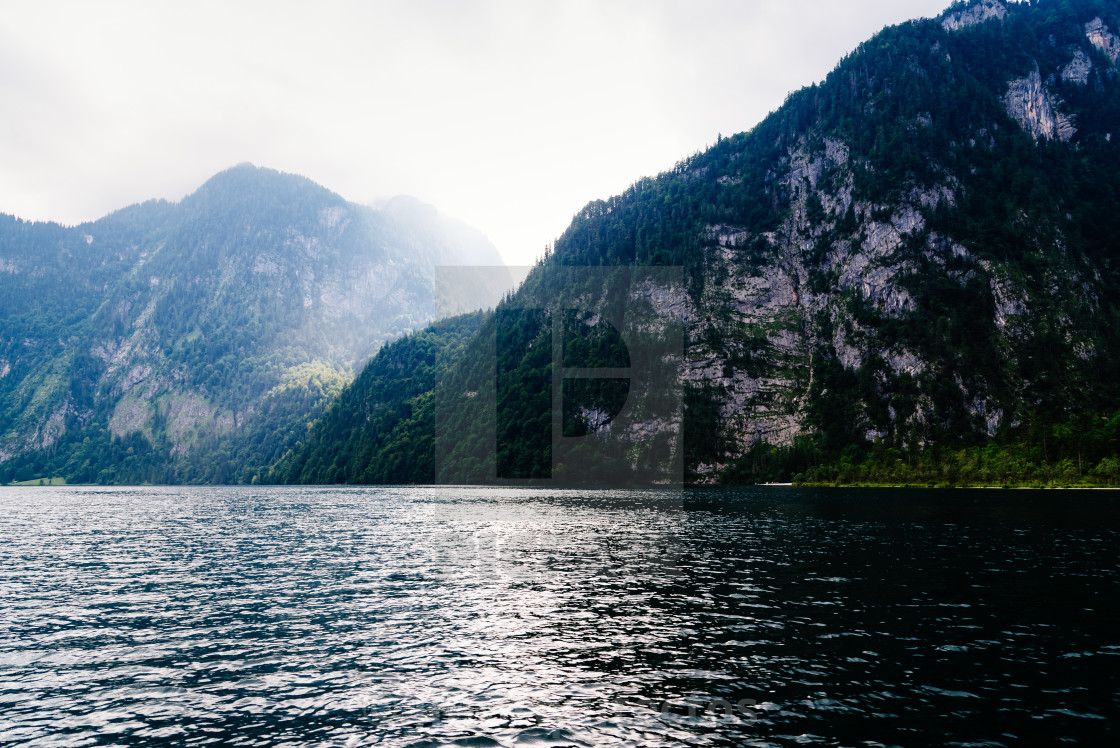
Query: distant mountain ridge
x=189 y=341
x=918 y=254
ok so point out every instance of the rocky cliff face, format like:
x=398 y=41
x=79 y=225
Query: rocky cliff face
x=1037 y=107
x=919 y=270
x=1032 y=106
x=1101 y=37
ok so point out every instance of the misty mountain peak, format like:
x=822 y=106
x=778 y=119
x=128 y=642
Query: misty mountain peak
x=253 y=187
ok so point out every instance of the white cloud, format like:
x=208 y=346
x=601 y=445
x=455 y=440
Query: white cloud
x=509 y=114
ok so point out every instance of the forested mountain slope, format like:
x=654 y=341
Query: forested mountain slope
x=195 y=341
x=919 y=253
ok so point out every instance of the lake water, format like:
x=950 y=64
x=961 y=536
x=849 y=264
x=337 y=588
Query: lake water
x=474 y=617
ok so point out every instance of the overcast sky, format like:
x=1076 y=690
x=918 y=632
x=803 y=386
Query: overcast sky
x=508 y=114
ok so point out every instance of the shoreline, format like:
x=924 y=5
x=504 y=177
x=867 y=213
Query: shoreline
x=945 y=487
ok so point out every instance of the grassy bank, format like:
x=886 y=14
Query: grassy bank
x=40 y=482
x=989 y=466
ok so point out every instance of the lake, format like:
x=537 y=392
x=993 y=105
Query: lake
x=767 y=616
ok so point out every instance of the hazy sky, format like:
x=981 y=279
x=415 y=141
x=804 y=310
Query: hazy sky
x=508 y=114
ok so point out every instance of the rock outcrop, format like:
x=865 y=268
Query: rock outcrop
x=1029 y=103
x=1077 y=71
x=975 y=13
x=1100 y=37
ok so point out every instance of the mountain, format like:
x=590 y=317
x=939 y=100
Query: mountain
x=912 y=263
x=379 y=429
x=193 y=341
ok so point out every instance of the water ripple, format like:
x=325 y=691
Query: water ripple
x=469 y=617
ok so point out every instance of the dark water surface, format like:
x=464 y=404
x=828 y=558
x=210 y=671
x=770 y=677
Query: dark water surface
x=473 y=617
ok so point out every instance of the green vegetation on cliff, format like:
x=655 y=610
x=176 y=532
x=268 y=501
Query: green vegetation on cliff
x=1083 y=452
x=380 y=430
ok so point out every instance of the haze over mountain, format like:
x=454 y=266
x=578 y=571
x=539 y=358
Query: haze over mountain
x=917 y=254
x=508 y=115
x=193 y=341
